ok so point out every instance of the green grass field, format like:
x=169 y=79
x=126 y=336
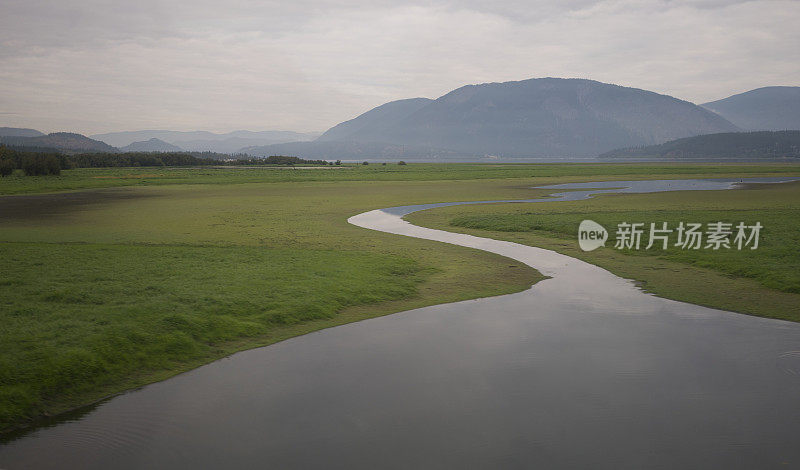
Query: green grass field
x=92 y=178
x=132 y=285
x=156 y=271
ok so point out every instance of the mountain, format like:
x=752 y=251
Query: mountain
x=732 y=145
x=231 y=144
x=152 y=145
x=375 y=122
x=19 y=132
x=61 y=141
x=536 y=117
x=201 y=141
x=774 y=108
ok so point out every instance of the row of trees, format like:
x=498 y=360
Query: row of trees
x=32 y=163
x=283 y=160
x=44 y=163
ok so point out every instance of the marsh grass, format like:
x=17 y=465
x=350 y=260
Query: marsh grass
x=774 y=264
x=166 y=270
x=764 y=282
x=94 y=178
x=101 y=294
x=76 y=317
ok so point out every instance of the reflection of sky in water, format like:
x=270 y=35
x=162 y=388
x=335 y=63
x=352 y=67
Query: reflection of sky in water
x=605 y=187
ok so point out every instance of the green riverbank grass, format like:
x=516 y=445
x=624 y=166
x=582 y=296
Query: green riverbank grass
x=108 y=290
x=763 y=282
x=98 y=297
x=94 y=178
x=69 y=329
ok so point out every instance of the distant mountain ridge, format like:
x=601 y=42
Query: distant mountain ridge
x=540 y=117
x=61 y=141
x=200 y=141
x=773 y=108
x=152 y=145
x=731 y=145
x=535 y=117
x=19 y=132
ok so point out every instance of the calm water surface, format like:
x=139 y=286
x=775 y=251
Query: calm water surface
x=581 y=371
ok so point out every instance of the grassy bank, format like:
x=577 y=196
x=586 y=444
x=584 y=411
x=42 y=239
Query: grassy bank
x=764 y=282
x=104 y=291
x=159 y=271
x=69 y=329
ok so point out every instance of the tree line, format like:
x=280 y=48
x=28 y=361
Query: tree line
x=51 y=163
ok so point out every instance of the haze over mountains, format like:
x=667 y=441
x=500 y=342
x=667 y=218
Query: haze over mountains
x=379 y=121
x=536 y=117
x=351 y=150
x=774 y=108
x=59 y=141
x=19 y=132
x=727 y=146
x=152 y=145
x=549 y=117
x=202 y=141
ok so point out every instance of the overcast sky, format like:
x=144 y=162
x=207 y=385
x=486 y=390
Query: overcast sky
x=97 y=66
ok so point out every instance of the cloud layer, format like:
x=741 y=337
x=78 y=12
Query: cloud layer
x=306 y=65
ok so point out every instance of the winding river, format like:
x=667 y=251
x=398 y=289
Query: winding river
x=583 y=370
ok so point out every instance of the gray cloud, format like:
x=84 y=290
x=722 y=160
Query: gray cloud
x=306 y=65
